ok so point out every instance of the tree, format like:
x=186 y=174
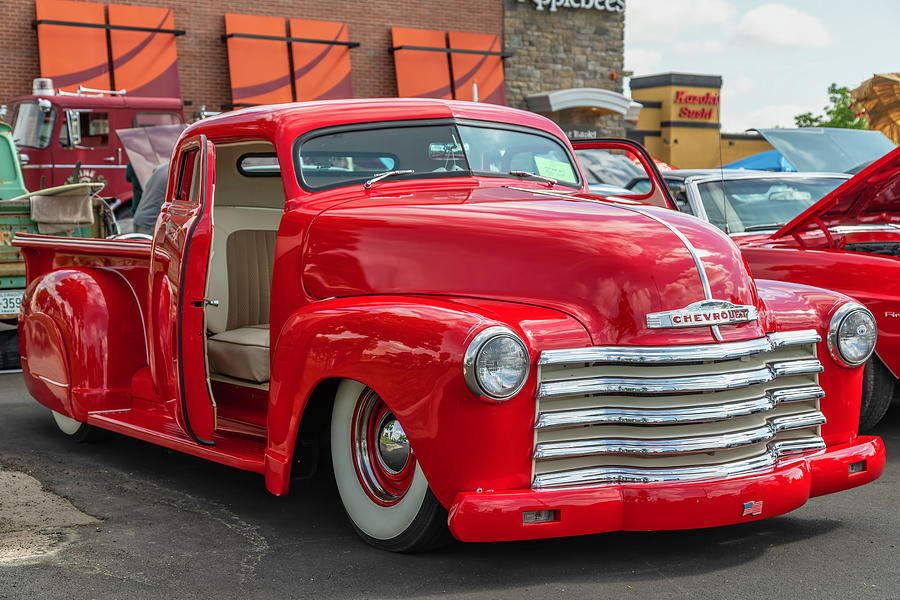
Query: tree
x=839 y=114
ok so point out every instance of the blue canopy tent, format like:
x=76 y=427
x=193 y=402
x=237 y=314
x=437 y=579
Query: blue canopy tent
x=770 y=160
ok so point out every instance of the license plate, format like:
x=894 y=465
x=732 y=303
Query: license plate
x=10 y=303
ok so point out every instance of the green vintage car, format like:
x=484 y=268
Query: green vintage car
x=72 y=210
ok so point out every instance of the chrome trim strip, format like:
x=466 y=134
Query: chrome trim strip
x=106 y=166
x=673 y=354
x=612 y=475
x=701 y=270
x=699 y=383
x=780 y=339
x=797 y=367
x=794 y=447
x=676 y=416
x=841 y=229
x=687 y=445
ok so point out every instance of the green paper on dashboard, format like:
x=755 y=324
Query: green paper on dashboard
x=555 y=169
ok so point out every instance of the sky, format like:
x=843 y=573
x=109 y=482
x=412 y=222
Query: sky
x=776 y=59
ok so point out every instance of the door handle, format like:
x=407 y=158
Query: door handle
x=205 y=302
x=110 y=159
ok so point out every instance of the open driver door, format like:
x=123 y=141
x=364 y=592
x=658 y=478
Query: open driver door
x=179 y=267
x=614 y=165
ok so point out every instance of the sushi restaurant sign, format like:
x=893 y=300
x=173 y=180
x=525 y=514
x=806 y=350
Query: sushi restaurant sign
x=555 y=5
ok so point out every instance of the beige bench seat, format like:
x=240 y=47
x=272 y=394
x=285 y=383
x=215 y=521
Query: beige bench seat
x=242 y=353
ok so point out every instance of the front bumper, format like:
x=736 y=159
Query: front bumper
x=498 y=516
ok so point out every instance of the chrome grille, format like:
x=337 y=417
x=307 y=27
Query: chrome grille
x=680 y=413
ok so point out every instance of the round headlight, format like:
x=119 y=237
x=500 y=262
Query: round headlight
x=852 y=334
x=496 y=364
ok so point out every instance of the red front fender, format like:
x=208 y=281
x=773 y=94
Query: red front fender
x=409 y=350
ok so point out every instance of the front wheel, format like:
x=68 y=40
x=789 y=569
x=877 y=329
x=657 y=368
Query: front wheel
x=878 y=391
x=379 y=480
x=76 y=430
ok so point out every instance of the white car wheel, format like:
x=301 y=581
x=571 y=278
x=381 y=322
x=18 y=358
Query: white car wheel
x=76 y=430
x=379 y=480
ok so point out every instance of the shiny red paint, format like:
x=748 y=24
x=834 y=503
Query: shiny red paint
x=491 y=516
x=810 y=251
x=51 y=166
x=388 y=287
x=870 y=196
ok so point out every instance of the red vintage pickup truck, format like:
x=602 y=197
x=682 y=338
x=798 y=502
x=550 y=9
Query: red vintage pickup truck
x=428 y=291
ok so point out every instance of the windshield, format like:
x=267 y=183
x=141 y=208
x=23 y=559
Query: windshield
x=353 y=157
x=31 y=126
x=747 y=205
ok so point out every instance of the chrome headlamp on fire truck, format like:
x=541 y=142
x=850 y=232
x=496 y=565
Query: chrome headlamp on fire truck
x=496 y=364
x=852 y=334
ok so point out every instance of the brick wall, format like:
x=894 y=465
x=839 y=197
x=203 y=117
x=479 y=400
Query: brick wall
x=567 y=48
x=202 y=59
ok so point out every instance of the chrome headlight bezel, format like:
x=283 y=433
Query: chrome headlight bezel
x=470 y=360
x=834 y=330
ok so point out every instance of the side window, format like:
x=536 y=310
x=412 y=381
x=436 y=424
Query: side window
x=188 y=187
x=152 y=119
x=94 y=129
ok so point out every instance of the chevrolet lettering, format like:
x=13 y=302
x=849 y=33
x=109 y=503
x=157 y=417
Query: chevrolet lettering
x=705 y=312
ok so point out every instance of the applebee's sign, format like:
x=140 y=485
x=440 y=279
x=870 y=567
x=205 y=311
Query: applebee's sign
x=554 y=5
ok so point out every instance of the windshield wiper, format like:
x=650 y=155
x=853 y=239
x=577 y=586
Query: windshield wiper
x=379 y=176
x=761 y=226
x=548 y=180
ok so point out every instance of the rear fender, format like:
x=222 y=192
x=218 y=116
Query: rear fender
x=410 y=351
x=82 y=328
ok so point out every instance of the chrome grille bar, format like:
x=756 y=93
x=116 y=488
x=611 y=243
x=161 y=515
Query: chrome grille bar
x=670 y=385
x=677 y=416
x=685 y=445
x=608 y=475
x=676 y=354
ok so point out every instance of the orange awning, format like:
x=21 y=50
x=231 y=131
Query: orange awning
x=483 y=72
x=321 y=70
x=260 y=68
x=424 y=69
x=421 y=73
x=144 y=63
x=72 y=55
x=72 y=39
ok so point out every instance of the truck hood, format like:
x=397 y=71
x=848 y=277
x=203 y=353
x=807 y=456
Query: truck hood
x=872 y=196
x=599 y=262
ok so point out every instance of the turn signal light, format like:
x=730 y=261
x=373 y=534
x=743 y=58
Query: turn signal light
x=530 y=517
x=857 y=467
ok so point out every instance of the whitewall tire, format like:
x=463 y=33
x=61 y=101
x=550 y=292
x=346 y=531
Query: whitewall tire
x=382 y=487
x=76 y=430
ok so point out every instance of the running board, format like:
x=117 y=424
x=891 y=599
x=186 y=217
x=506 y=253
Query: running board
x=234 y=450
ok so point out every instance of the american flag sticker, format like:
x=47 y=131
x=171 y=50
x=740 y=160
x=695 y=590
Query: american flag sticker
x=752 y=508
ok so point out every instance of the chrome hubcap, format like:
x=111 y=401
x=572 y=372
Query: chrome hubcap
x=384 y=460
x=393 y=447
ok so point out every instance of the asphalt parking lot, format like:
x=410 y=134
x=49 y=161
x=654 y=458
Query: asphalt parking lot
x=121 y=518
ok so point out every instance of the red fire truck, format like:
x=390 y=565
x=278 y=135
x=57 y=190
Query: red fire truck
x=66 y=138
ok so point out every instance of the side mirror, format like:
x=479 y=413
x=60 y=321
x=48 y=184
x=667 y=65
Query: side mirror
x=73 y=123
